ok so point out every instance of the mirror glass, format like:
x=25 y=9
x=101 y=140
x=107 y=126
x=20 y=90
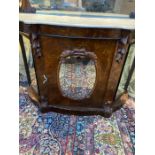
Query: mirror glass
x=86 y=6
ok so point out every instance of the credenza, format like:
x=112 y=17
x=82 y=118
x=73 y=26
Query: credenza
x=78 y=60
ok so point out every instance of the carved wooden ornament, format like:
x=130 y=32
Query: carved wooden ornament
x=35 y=44
x=121 y=50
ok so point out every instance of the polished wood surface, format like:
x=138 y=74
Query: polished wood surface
x=26 y=7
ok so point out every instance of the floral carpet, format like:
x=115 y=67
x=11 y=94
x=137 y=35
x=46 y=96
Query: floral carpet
x=57 y=134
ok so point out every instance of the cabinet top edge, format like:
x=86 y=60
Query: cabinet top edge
x=106 y=21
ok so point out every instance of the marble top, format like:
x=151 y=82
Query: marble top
x=79 y=19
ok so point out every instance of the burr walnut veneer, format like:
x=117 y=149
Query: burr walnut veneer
x=56 y=46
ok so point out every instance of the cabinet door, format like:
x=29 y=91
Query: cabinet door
x=79 y=78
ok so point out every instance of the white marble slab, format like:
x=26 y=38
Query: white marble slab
x=89 y=20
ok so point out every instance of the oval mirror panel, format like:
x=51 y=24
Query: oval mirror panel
x=77 y=75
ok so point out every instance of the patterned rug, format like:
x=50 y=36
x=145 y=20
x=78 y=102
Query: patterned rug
x=57 y=134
